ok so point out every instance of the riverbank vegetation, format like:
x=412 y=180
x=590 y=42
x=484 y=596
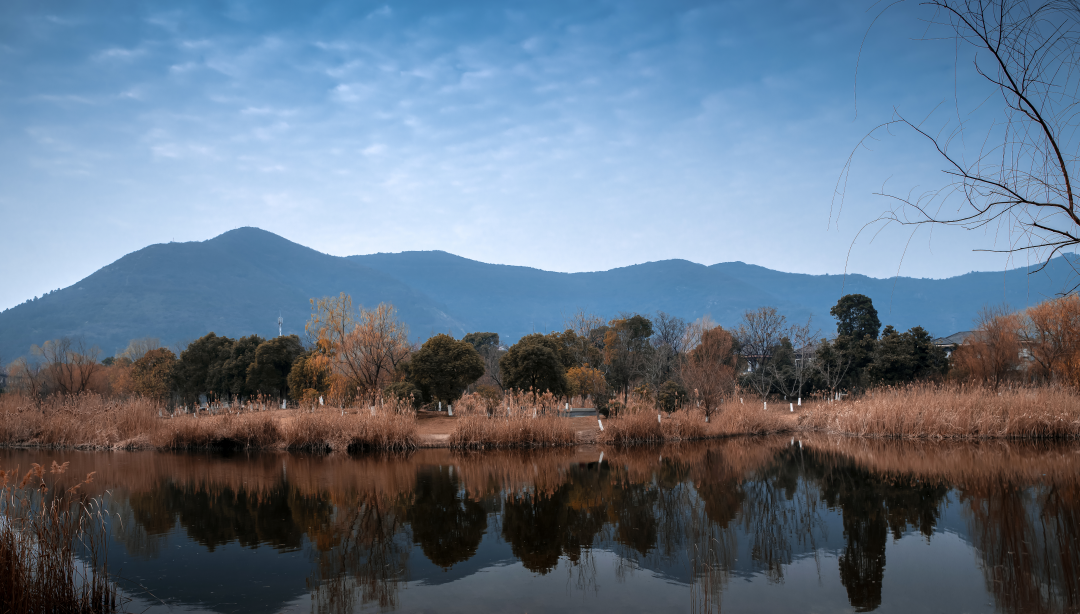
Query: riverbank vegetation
x=652 y=378
x=94 y=422
x=52 y=550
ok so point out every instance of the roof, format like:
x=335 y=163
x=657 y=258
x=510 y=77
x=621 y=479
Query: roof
x=955 y=338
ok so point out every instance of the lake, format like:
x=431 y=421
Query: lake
x=816 y=524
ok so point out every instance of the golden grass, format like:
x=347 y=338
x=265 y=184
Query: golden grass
x=951 y=412
x=522 y=421
x=637 y=423
x=41 y=534
x=91 y=421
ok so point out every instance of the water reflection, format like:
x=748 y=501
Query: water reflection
x=347 y=533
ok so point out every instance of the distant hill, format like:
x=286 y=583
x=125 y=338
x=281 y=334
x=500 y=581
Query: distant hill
x=237 y=283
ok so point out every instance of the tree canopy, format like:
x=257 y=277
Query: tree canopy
x=443 y=367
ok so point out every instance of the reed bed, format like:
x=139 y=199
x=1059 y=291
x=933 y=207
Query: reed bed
x=42 y=534
x=519 y=421
x=91 y=421
x=640 y=423
x=951 y=412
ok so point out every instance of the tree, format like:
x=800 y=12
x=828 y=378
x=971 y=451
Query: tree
x=308 y=373
x=443 y=367
x=489 y=348
x=137 y=348
x=992 y=353
x=364 y=347
x=586 y=382
x=832 y=364
x=588 y=337
x=668 y=339
x=268 y=373
x=1021 y=176
x=710 y=369
x=152 y=374
x=758 y=336
x=533 y=364
x=856 y=317
x=790 y=367
x=198 y=370
x=857 y=327
x=626 y=349
x=672 y=396
x=1051 y=332
x=233 y=376
x=68 y=364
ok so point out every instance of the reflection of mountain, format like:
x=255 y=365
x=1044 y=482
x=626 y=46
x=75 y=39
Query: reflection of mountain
x=215 y=530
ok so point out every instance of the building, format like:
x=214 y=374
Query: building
x=953 y=341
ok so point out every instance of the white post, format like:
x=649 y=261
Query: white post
x=800 y=401
x=598 y=421
x=740 y=400
x=450 y=409
x=440 y=405
x=658 y=417
x=766 y=404
x=320 y=402
x=791 y=407
x=283 y=404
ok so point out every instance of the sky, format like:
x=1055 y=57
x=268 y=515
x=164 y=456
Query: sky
x=574 y=135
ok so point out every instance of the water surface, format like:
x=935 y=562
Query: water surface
x=742 y=525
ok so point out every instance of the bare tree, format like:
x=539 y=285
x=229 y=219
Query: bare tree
x=831 y=364
x=69 y=364
x=669 y=335
x=1021 y=176
x=792 y=376
x=758 y=335
x=137 y=348
x=585 y=326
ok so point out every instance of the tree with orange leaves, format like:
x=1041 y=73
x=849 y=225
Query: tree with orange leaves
x=709 y=371
x=363 y=348
x=992 y=354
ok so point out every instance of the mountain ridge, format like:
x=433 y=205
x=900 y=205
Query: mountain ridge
x=236 y=283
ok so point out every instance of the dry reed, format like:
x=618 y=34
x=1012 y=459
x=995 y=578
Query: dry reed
x=640 y=423
x=42 y=535
x=520 y=421
x=951 y=412
x=90 y=421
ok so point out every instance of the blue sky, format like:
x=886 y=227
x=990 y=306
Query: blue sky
x=568 y=136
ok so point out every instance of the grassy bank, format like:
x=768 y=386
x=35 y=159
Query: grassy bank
x=94 y=422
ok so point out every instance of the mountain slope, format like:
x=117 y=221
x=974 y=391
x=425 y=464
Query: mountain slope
x=515 y=301
x=234 y=284
x=237 y=283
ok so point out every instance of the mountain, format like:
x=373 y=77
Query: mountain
x=516 y=301
x=237 y=283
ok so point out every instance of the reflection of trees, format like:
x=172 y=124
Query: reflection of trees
x=446 y=523
x=1026 y=539
x=216 y=516
x=541 y=527
x=364 y=554
x=871 y=505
